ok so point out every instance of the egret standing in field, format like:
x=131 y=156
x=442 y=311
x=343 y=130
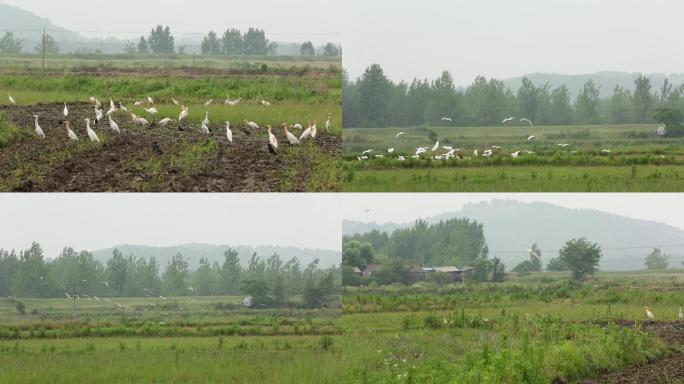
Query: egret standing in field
x=328 y=124
x=436 y=146
x=91 y=134
x=39 y=130
x=66 y=111
x=113 y=125
x=183 y=114
x=72 y=136
x=292 y=139
x=681 y=314
x=98 y=115
x=151 y=110
x=208 y=102
x=252 y=124
x=307 y=132
x=150 y=100
x=297 y=126
x=11 y=99
x=174 y=101
x=165 y=121
x=206 y=118
x=272 y=142
x=313 y=130
x=649 y=314
x=265 y=103
x=229 y=133
x=205 y=128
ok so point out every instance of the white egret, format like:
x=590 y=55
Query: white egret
x=123 y=108
x=95 y=101
x=446 y=119
x=205 y=129
x=399 y=134
x=162 y=297
x=183 y=113
x=165 y=121
x=435 y=147
x=98 y=115
x=70 y=134
x=401 y=158
x=447 y=147
x=252 y=124
x=174 y=101
x=528 y=121
x=150 y=100
x=487 y=153
x=206 y=118
x=66 y=110
x=496 y=147
x=208 y=102
x=379 y=156
x=292 y=139
x=297 y=126
x=229 y=133
x=606 y=151
x=328 y=125
x=562 y=145
x=313 y=130
x=113 y=125
x=307 y=133
x=531 y=138
x=475 y=153
x=39 y=130
x=137 y=103
x=272 y=141
x=506 y=120
x=265 y=103
x=515 y=154
x=11 y=99
x=91 y=134
x=649 y=314
x=681 y=314
x=151 y=110
x=367 y=151
x=390 y=150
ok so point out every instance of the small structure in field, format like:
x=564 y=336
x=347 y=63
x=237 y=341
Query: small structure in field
x=247 y=302
x=370 y=268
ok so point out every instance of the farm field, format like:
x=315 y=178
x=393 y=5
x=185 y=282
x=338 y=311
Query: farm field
x=603 y=158
x=181 y=339
x=175 y=157
x=539 y=328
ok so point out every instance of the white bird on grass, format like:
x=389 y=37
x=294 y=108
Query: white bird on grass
x=401 y=158
x=272 y=141
x=313 y=130
x=390 y=150
x=681 y=315
x=111 y=104
x=506 y=120
x=11 y=99
x=328 y=125
x=292 y=139
x=150 y=100
x=475 y=153
x=91 y=134
x=649 y=314
x=70 y=134
x=297 y=126
x=448 y=147
x=531 y=138
x=205 y=129
x=420 y=150
x=399 y=134
x=208 y=102
x=265 y=103
x=174 y=101
x=98 y=115
x=606 y=151
x=435 y=147
x=562 y=145
x=39 y=130
x=95 y=101
x=165 y=121
x=528 y=121
x=306 y=134
x=139 y=120
x=515 y=154
x=229 y=133
x=151 y=110
x=367 y=151
x=66 y=110
x=183 y=113
x=162 y=297
x=206 y=118
x=123 y=108
x=137 y=103
x=113 y=125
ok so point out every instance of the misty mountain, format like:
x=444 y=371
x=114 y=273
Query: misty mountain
x=193 y=253
x=606 y=81
x=511 y=227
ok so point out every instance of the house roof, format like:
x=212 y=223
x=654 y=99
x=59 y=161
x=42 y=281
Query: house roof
x=356 y=270
x=415 y=269
x=447 y=269
x=373 y=267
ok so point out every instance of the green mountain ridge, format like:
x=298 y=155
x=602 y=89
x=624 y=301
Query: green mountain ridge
x=511 y=227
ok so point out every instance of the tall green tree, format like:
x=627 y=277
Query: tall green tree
x=230 y=272
x=307 y=49
x=374 y=92
x=11 y=44
x=232 y=43
x=620 y=105
x=160 y=40
x=117 y=272
x=31 y=279
x=176 y=275
x=211 y=45
x=9 y=264
x=581 y=256
x=657 y=259
x=143 y=47
x=587 y=103
x=331 y=50
x=49 y=44
x=560 y=108
x=642 y=99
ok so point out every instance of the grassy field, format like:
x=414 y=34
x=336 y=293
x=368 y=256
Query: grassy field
x=596 y=159
x=183 y=339
x=153 y=158
x=536 y=329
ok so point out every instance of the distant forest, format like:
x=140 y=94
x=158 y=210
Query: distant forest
x=269 y=281
x=373 y=100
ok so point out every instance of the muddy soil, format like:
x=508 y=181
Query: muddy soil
x=668 y=370
x=147 y=158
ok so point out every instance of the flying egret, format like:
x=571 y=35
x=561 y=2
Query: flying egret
x=399 y=134
x=208 y=102
x=229 y=133
x=150 y=100
x=487 y=153
x=206 y=118
x=367 y=151
x=531 y=138
x=292 y=139
x=328 y=124
x=515 y=154
x=66 y=110
x=265 y=103
x=448 y=147
x=446 y=119
x=11 y=99
x=205 y=129
x=113 y=125
x=562 y=145
x=436 y=146
x=39 y=130
x=151 y=110
x=506 y=120
x=606 y=151
x=106 y=283
x=528 y=121
x=165 y=121
x=272 y=141
x=72 y=136
x=307 y=133
x=649 y=314
x=91 y=133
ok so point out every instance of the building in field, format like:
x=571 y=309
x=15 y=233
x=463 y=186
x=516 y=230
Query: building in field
x=370 y=268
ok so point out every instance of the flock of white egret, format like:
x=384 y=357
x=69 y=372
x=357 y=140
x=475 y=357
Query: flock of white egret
x=307 y=134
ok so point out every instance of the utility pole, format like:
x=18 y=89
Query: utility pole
x=73 y=298
x=44 y=48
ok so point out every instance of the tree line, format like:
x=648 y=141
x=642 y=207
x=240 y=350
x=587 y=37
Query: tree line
x=373 y=100
x=270 y=281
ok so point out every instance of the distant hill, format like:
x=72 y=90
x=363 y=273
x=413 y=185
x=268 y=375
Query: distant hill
x=193 y=252
x=605 y=80
x=511 y=227
x=29 y=26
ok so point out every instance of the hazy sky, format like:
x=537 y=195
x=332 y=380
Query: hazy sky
x=406 y=207
x=93 y=221
x=502 y=39
x=293 y=20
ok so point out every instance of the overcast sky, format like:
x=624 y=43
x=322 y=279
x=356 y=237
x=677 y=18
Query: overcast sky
x=94 y=221
x=292 y=20
x=503 y=39
x=407 y=207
